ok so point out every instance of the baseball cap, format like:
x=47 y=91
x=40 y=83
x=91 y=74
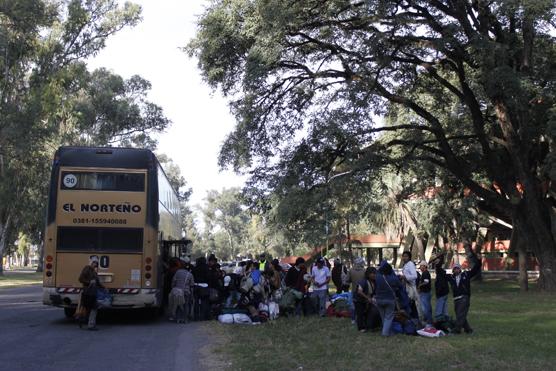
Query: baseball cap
x=227 y=280
x=320 y=260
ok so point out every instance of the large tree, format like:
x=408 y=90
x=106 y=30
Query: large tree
x=468 y=86
x=49 y=98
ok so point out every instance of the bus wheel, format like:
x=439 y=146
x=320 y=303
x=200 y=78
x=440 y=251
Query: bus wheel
x=69 y=312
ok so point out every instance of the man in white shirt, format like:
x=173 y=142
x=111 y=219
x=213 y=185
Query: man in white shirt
x=320 y=276
x=409 y=274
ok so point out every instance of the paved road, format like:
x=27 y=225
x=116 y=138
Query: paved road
x=37 y=337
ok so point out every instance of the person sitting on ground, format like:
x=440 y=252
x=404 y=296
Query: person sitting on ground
x=367 y=315
x=320 y=276
x=233 y=286
x=274 y=277
x=461 y=290
x=424 y=287
x=387 y=288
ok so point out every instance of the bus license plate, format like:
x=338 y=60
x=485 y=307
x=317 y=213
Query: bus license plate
x=105 y=279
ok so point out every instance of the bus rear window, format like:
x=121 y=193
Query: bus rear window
x=100 y=239
x=103 y=181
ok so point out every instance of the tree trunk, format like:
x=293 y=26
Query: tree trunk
x=40 y=264
x=3 y=238
x=530 y=221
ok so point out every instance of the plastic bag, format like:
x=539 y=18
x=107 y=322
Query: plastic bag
x=226 y=318
x=241 y=318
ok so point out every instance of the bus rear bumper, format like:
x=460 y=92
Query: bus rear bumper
x=143 y=298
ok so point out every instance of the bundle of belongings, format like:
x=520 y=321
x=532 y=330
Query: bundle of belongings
x=430 y=332
x=288 y=300
x=240 y=318
x=341 y=305
x=406 y=318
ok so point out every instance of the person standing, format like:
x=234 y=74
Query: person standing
x=295 y=281
x=201 y=275
x=461 y=290
x=89 y=279
x=365 y=303
x=337 y=275
x=388 y=286
x=441 y=290
x=182 y=285
x=320 y=276
x=424 y=287
x=410 y=276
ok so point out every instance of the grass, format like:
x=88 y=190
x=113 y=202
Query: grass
x=18 y=278
x=512 y=331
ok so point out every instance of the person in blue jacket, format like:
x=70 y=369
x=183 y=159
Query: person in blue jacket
x=387 y=289
x=460 y=281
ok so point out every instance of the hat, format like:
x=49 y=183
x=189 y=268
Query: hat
x=456 y=266
x=93 y=259
x=227 y=280
x=320 y=260
x=422 y=262
x=262 y=255
x=186 y=259
x=275 y=262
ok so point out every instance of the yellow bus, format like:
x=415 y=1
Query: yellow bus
x=115 y=204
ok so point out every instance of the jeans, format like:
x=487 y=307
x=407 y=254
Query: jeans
x=461 y=307
x=321 y=295
x=425 y=299
x=92 y=318
x=386 y=310
x=441 y=308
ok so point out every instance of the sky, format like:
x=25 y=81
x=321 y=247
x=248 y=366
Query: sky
x=201 y=118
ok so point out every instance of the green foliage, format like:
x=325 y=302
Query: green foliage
x=48 y=97
x=324 y=88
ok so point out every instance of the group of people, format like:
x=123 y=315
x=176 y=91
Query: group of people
x=199 y=292
x=380 y=297
x=407 y=297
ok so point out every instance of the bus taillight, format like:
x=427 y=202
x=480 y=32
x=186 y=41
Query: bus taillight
x=147 y=275
x=148 y=260
x=49 y=258
x=48 y=265
x=148 y=268
x=49 y=274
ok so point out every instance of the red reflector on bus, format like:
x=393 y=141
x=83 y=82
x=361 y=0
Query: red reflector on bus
x=49 y=258
x=49 y=274
x=147 y=275
x=148 y=267
x=48 y=265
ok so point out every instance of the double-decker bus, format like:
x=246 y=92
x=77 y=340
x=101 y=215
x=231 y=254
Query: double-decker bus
x=115 y=204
